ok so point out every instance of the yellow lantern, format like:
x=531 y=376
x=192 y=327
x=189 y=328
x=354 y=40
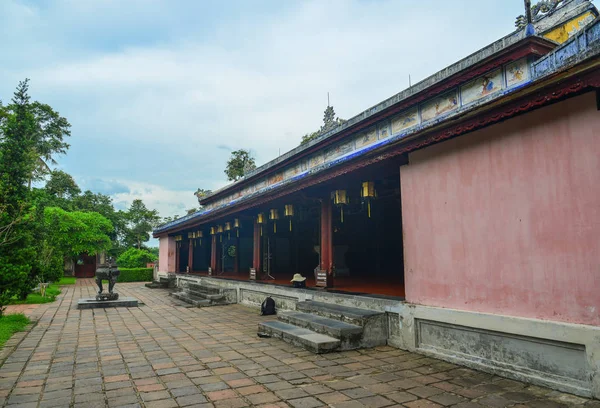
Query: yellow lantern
x=274 y=216
x=228 y=228
x=260 y=220
x=368 y=193
x=289 y=212
x=220 y=232
x=236 y=226
x=213 y=231
x=340 y=198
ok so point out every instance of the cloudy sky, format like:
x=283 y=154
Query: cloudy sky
x=160 y=92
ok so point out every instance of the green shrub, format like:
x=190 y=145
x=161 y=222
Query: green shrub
x=135 y=258
x=135 y=275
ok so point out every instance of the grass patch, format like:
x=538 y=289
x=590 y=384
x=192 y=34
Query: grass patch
x=35 y=298
x=10 y=324
x=66 y=280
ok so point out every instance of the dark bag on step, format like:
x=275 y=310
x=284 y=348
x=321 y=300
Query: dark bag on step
x=268 y=307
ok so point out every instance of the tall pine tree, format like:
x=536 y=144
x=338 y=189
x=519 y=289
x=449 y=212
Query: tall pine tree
x=16 y=215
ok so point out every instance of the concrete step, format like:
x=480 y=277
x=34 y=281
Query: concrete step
x=349 y=334
x=197 y=287
x=352 y=315
x=157 y=285
x=310 y=340
x=185 y=297
x=374 y=324
x=204 y=295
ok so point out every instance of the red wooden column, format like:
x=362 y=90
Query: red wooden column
x=213 y=254
x=327 y=241
x=256 y=258
x=191 y=255
x=177 y=255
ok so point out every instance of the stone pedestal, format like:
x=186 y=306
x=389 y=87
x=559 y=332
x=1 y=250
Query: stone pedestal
x=110 y=272
x=92 y=303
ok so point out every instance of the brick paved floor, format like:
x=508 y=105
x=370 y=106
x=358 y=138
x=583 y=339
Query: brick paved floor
x=163 y=354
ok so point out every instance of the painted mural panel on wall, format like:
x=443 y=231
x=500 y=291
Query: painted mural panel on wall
x=315 y=160
x=406 y=120
x=260 y=184
x=293 y=170
x=517 y=73
x=439 y=106
x=248 y=190
x=482 y=86
x=384 y=131
x=276 y=178
x=339 y=150
x=367 y=138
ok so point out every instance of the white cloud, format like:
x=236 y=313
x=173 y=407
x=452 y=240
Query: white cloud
x=167 y=201
x=166 y=84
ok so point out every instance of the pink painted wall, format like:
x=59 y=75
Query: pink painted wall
x=166 y=254
x=506 y=219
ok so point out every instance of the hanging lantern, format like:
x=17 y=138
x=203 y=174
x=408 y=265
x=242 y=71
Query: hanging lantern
x=199 y=237
x=368 y=193
x=260 y=220
x=213 y=231
x=274 y=216
x=236 y=226
x=340 y=199
x=220 y=232
x=228 y=228
x=190 y=235
x=289 y=213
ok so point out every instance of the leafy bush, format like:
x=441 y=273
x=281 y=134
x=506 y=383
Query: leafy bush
x=135 y=275
x=135 y=258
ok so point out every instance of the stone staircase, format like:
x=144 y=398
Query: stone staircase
x=202 y=295
x=162 y=283
x=324 y=327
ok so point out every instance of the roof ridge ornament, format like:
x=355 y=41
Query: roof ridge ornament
x=541 y=9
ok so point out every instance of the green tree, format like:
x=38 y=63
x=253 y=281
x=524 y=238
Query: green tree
x=240 y=163
x=136 y=258
x=62 y=185
x=167 y=220
x=48 y=138
x=140 y=222
x=16 y=214
x=67 y=234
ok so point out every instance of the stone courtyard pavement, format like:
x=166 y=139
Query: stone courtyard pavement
x=164 y=354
